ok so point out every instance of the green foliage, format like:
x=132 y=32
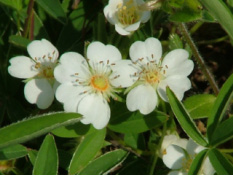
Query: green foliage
x=87 y=150
x=13 y=152
x=46 y=162
x=36 y=126
x=184 y=119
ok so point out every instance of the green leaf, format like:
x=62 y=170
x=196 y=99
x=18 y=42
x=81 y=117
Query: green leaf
x=223 y=132
x=13 y=152
x=199 y=106
x=47 y=158
x=135 y=141
x=75 y=130
x=32 y=154
x=74 y=28
x=175 y=42
x=219 y=162
x=15 y=4
x=197 y=162
x=33 y=127
x=39 y=28
x=136 y=122
x=53 y=8
x=105 y=163
x=184 y=119
x=222 y=13
x=19 y=41
x=220 y=106
x=87 y=150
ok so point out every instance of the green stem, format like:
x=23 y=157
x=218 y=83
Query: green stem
x=158 y=148
x=226 y=150
x=214 y=40
x=199 y=58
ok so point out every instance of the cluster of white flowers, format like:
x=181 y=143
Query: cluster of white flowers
x=86 y=84
x=178 y=154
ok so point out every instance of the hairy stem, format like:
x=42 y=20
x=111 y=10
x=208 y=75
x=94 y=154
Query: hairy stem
x=199 y=58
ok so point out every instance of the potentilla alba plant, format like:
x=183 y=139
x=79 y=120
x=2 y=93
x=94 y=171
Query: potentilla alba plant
x=87 y=85
x=179 y=155
x=38 y=72
x=126 y=15
x=148 y=74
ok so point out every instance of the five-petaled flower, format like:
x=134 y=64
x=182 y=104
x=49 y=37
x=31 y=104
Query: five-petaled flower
x=148 y=74
x=179 y=154
x=38 y=70
x=86 y=86
x=126 y=15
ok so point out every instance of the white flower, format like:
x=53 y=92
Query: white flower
x=179 y=157
x=126 y=15
x=86 y=86
x=38 y=70
x=148 y=73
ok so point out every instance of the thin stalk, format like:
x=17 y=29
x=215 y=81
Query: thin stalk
x=28 y=19
x=156 y=150
x=199 y=58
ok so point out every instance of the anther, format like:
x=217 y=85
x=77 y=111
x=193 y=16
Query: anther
x=107 y=61
x=166 y=66
x=101 y=62
x=76 y=74
x=44 y=56
x=53 y=52
x=152 y=55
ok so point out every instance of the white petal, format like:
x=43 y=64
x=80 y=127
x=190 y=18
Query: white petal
x=121 y=30
x=110 y=10
x=142 y=98
x=177 y=173
x=39 y=48
x=193 y=148
x=71 y=63
x=39 y=91
x=149 y=50
x=174 y=157
x=168 y=140
x=70 y=95
x=95 y=110
x=21 y=67
x=98 y=52
x=145 y=16
x=124 y=72
x=207 y=168
x=55 y=85
x=178 y=84
x=178 y=63
x=133 y=27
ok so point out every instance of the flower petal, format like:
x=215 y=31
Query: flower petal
x=168 y=140
x=71 y=63
x=70 y=96
x=121 y=30
x=133 y=27
x=207 y=168
x=39 y=91
x=145 y=16
x=177 y=63
x=149 y=50
x=40 y=48
x=110 y=10
x=173 y=157
x=178 y=84
x=123 y=74
x=95 y=110
x=177 y=173
x=142 y=98
x=98 y=52
x=21 y=67
x=193 y=148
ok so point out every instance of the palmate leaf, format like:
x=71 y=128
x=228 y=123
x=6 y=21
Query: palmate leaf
x=184 y=119
x=46 y=162
x=220 y=106
x=33 y=127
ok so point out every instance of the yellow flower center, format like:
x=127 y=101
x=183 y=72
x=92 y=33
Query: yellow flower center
x=99 y=82
x=127 y=13
x=187 y=164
